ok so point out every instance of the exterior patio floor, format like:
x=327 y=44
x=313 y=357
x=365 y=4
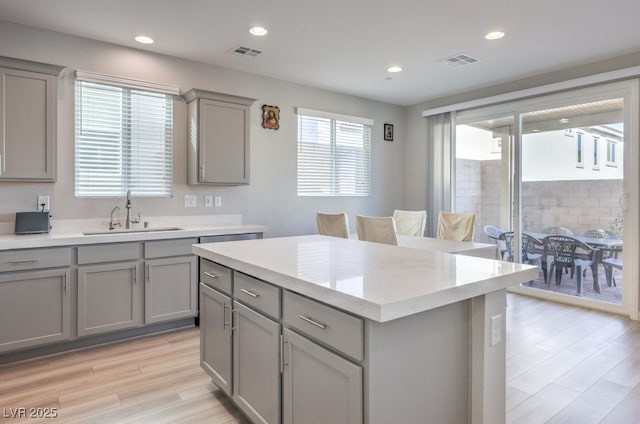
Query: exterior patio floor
x=567 y=286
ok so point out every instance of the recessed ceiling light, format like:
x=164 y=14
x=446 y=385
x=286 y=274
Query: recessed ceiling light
x=143 y=39
x=563 y=120
x=394 y=69
x=494 y=35
x=258 y=31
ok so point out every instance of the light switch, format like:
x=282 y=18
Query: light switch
x=218 y=201
x=208 y=201
x=496 y=330
x=190 y=201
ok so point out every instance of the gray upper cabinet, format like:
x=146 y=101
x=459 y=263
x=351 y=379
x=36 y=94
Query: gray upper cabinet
x=28 y=120
x=219 y=138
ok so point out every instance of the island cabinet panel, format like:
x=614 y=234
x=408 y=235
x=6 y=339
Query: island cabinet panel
x=34 y=308
x=318 y=385
x=108 y=298
x=215 y=336
x=337 y=329
x=171 y=288
x=216 y=276
x=256 y=365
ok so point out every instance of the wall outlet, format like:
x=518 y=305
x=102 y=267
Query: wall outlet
x=496 y=330
x=43 y=200
x=190 y=201
x=208 y=201
x=218 y=201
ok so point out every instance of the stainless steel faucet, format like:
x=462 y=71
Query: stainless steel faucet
x=112 y=223
x=130 y=220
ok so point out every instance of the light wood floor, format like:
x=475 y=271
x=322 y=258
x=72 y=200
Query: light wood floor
x=564 y=365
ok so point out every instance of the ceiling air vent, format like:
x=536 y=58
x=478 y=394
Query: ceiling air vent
x=245 y=51
x=461 y=59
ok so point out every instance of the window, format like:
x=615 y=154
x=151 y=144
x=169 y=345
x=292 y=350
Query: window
x=580 y=151
x=596 y=159
x=124 y=139
x=612 y=159
x=334 y=154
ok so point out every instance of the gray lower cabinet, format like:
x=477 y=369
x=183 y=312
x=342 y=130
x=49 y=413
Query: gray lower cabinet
x=171 y=289
x=318 y=385
x=256 y=365
x=108 y=298
x=215 y=336
x=34 y=308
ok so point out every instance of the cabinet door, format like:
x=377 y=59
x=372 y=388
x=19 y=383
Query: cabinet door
x=223 y=143
x=319 y=386
x=27 y=125
x=215 y=336
x=108 y=298
x=256 y=365
x=34 y=308
x=170 y=289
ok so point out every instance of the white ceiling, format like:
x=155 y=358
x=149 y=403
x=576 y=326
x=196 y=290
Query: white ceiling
x=347 y=45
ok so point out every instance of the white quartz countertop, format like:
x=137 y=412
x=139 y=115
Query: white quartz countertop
x=67 y=235
x=372 y=280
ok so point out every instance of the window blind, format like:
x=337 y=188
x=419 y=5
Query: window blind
x=334 y=157
x=124 y=141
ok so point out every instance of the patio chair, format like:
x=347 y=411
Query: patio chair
x=610 y=253
x=609 y=264
x=493 y=234
x=564 y=253
x=532 y=248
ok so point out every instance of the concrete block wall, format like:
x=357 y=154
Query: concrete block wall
x=578 y=205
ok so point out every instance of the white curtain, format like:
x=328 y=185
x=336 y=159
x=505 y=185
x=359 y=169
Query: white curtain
x=439 y=149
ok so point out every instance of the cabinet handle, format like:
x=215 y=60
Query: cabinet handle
x=313 y=322
x=24 y=261
x=249 y=293
x=234 y=311
x=208 y=274
x=135 y=278
x=66 y=283
x=224 y=315
x=148 y=273
x=282 y=363
x=201 y=172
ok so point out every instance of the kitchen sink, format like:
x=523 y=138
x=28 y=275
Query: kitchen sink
x=132 y=230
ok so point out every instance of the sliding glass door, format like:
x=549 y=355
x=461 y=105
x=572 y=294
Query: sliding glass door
x=561 y=165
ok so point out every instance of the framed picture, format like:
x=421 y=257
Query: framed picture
x=270 y=117
x=388 y=132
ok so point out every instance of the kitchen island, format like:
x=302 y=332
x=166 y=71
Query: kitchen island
x=321 y=329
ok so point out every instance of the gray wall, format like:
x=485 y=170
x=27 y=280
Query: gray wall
x=270 y=199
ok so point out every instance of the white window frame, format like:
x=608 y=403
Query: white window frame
x=138 y=152
x=355 y=167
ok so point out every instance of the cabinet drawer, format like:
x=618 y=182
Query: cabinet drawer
x=100 y=253
x=166 y=248
x=337 y=329
x=253 y=292
x=216 y=276
x=18 y=260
